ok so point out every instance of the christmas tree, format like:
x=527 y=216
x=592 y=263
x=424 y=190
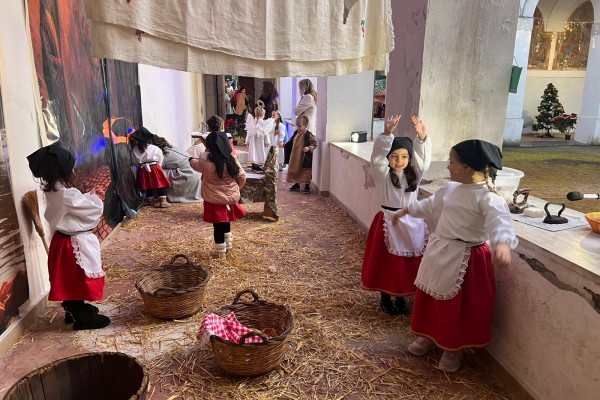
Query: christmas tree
x=549 y=108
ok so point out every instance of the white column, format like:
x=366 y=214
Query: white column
x=513 y=125
x=588 y=123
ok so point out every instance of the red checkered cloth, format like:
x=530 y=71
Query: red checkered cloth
x=228 y=328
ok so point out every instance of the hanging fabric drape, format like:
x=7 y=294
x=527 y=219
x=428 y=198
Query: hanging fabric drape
x=261 y=38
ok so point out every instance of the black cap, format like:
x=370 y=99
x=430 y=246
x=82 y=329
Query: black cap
x=142 y=135
x=402 y=142
x=478 y=154
x=65 y=160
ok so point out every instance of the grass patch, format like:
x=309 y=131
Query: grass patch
x=552 y=172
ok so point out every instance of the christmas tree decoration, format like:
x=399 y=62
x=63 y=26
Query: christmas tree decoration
x=549 y=108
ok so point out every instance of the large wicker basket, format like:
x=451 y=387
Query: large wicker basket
x=256 y=358
x=90 y=376
x=174 y=290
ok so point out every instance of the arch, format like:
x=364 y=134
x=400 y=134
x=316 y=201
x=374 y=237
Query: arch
x=528 y=8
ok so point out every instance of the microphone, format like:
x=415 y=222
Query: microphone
x=574 y=196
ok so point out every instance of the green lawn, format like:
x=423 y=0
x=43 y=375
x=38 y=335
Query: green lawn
x=552 y=172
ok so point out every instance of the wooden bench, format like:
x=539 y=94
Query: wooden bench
x=262 y=186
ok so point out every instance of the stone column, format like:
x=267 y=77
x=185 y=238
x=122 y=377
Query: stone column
x=588 y=121
x=513 y=125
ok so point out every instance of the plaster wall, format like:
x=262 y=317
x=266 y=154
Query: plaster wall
x=406 y=62
x=570 y=91
x=170 y=103
x=19 y=96
x=352 y=186
x=547 y=336
x=466 y=71
x=344 y=106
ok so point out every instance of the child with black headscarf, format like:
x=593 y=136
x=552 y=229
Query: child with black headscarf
x=393 y=254
x=222 y=179
x=74 y=262
x=454 y=302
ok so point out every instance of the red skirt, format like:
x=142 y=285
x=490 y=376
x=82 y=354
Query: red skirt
x=68 y=281
x=383 y=271
x=215 y=213
x=155 y=179
x=465 y=320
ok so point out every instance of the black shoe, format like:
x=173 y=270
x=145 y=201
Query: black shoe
x=256 y=167
x=295 y=187
x=69 y=315
x=387 y=305
x=401 y=307
x=86 y=318
x=306 y=189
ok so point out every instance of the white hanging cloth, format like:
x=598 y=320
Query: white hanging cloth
x=261 y=38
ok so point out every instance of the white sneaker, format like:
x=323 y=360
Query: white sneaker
x=421 y=346
x=219 y=251
x=228 y=241
x=450 y=361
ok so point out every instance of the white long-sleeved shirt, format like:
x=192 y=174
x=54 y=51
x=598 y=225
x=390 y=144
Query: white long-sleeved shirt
x=468 y=212
x=152 y=154
x=389 y=195
x=75 y=214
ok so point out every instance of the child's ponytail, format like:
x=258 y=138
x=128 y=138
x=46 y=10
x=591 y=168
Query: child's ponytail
x=490 y=181
x=259 y=111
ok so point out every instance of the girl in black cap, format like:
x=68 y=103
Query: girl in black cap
x=150 y=176
x=456 y=286
x=74 y=263
x=393 y=254
x=222 y=178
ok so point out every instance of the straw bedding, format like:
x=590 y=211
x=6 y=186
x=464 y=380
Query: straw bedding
x=341 y=346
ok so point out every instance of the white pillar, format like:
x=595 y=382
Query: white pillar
x=513 y=125
x=588 y=122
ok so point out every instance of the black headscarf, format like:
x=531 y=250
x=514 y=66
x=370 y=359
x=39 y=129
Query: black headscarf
x=217 y=141
x=402 y=142
x=478 y=154
x=65 y=160
x=142 y=135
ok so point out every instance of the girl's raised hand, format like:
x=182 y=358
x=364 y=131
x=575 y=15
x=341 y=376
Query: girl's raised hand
x=391 y=124
x=419 y=127
x=501 y=255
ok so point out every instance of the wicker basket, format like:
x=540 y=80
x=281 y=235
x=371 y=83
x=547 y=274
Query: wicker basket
x=257 y=358
x=174 y=290
x=90 y=376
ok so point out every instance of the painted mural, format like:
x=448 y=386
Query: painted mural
x=14 y=289
x=73 y=101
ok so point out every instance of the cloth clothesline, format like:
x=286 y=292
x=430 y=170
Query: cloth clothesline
x=261 y=38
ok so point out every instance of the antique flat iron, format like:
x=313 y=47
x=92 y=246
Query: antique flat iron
x=517 y=207
x=555 y=219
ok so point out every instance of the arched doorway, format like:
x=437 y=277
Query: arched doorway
x=553 y=44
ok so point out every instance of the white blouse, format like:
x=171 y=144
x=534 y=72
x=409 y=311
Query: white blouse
x=152 y=154
x=75 y=214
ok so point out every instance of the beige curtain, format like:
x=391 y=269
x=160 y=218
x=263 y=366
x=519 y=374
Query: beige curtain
x=261 y=38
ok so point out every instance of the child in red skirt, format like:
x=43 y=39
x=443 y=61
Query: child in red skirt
x=222 y=178
x=74 y=263
x=454 y=302
x=392 y=255
x=150 y=176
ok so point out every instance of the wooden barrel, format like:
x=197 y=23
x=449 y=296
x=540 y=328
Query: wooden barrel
x=90 y=376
